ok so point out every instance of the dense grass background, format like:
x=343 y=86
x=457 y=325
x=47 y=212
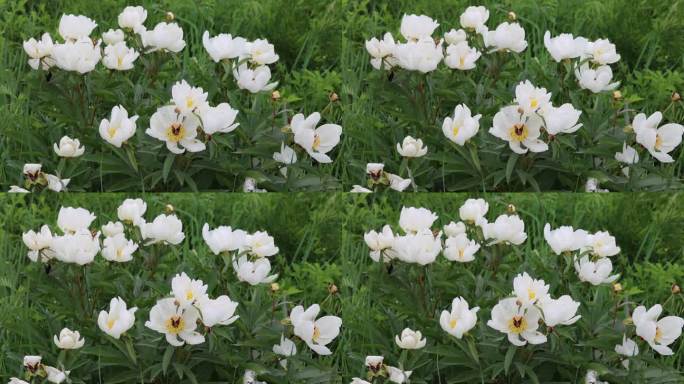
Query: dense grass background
x=321 y=243
x=320 y=43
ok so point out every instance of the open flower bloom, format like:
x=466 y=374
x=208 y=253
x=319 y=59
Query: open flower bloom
x=260 y=52
x=460 y=320
x=80 y=56
x=505 y=229
x=411 y=147
x=55 y=183
x=462 y=126
x=119 y=57
x=602 y=244
x=410 y=339
x=317 y=334
x=658 y=141
x=531 y=99
x=460 y=248
x=564 y=46
x=118 y=249
x=317 y=142
x=223 y=239
x=397 y=183
x=629 y=155
x=219 y=311
x=178 y=324
x=461 y=56
x=601 y=52
x=32 y=171
x=39 y=244
x=287 y=155
x=413 y=220
x=74 y=27
x=657 y=333
x=397 y=375
x=259 y=244
x=522 y=132
x=382 y=51
x=417 y=27
x=68 y=339
x=132 y=17
x=253 y=272
x=163 y=229
x=474 y=17
x=518 y=322
x=188 y=99
x=164 y=36
x=561 y=119
x=119 y=128
x=374 y=363
x=55 y=375
x=79 y=247
x=118 y=320
x=39 y=52
x=455 y=36
x=132 y=211
x=564 y=238
x=223 y=46
x=254 y=80
x=219 y=119
x=597 y=272
x=506 y=37
x=421 y=248
x=68 y=147
x=187 y=291
x=529 y=291
x=175 y=129
x=32 y=363
x=423 y=55
x=562 y=310
x=596 y=80
x=628 y=347
x=380 y=243
x=473 y=210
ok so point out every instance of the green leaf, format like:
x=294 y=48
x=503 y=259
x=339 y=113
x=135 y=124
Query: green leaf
x=510 y=164
x=510 y=353
x=168 y=162
x=166 y=359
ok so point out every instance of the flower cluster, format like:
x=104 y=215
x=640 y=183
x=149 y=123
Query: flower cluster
x=34 y=368
x=36 y=179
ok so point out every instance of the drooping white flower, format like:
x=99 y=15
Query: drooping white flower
x=564 y=238
x=286 y=347
x=374 y=363
x=423 y=55
x=79 y=247
x=561 y=119
x=410 y=339
x=250 y=377
x=219 y=119
x=17 y=189
x=39 y=244
x=250 y=186
x=316 y=333
x=658 y=141
x=460 y=248
x=68 y=147
x=473 y=211
x=188 y=99
x=163 y=229
x=629 y=155
x=592 y=185
x=68 y=339
x=113 y=36
x=223 y=239
x=411 y=147
x=460 y=319
x=132 y=211
x=164 y=36
x=32 y=171
x=70 y=219
x=219 y=311
x=380 y=243
x=454 y=229
x=505 y=229
x=55 y=375
x=287 y=155
x=14 y=380
x=317 y=142
x=519 y=323
x=417 y=27
x=521 y=132
x=118 y=320
x=413 y=220
x=628 y=347
x=596 y=80
x=397 y=375
x=32 y=363
x=259 y=244
x=592 y=377
x=602 y=244
x=253 y=272
x=531 y=99
x=254 y=80
x=454 y=36
x=506 y=37
x=132 y=17
x=382 y=51
x=119 y=128
x=260 y=52
x=118 y=249
x=597 y=272
x=56 y=184
x=39 y=52
x=112 y=228
x=564 y=46
x=461 y=56
x=657 y=333
x=175 y=129
x=529 y=291
x=397 y=183
x=80 y=56
x=562 y=310
x=421 y=248
x=474 y=17
x=223 y=46
x=601 y=52
x=75 y=27
x=119 y=57
x=177 y=323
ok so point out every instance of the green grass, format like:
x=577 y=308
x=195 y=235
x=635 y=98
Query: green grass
x=320 y=240
x=320 y=43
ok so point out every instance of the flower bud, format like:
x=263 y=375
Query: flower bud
x=332 y=289
x=617 y=287
x=333 y=97
x=510 y=208
x=170 y=16
x=676 y=97
x=628 y=128
x=275 y=95
x=617 y=95
x=675 y=289
x=169 y=208
x=275 y=287
x=512 y=16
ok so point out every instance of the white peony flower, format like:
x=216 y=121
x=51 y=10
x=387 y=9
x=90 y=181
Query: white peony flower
x=474 y=18
x=596 y=80
x=175 y=129
x=454 y=229
x=380 y=243
x=68 y=339
x=80 y=55
x=522 y=133
x=629 y=155
x=397 y=375
x=253 y=272
x=113 y=36
x=657 y=333
x=287 y=155
x=118 y=249
x=595 y=273
x=382 y=51
x=163 y=229
x=423 y=56
x=420 y=248
x=259 y=244
x=260 y=52
x=505 y=229
x=559 y=311
x=562 y=119
x=223 y=239
x=223 y=46
x=519 y=323
x=461 y=56
x=132 y=211
x=317 y=142
x=218 y=119
x=132 y=18
x=188 y=99
x=32 y=363
x=178 y=324
x=658 y=141
x=119 y=57
x=460 y=319
x=454 y=36
x=40 y=52
x=75 y=27
x=164 y=36
x=286 y=347
x=79 y=247
x=397 y=183
x=32 y=171
x=473 y=211
x=410 y=339
x=628 y=347
x=601 y=52
x=68 y=147
x=70 y=219
x=119 y=128
x=506 y=37
x=316 y=333
x=564 y=46
x=602 y=244
x=254 y=80
x=55 y=375
x=417 y=27
x=112 y=228
x=413 y=220
x=39 y=244
x=531 y=99
x=564 y=238
x=529 y=291
x=219 y=311
x=460 y=248
x=411 y=147
x=118 y=320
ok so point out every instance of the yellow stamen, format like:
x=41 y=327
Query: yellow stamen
x=316 y=334
x=534 y=103
x=110 y=323
x=658 y=142
x=455 y=128
x=189 y=295
x=452 y=323
x=519 y=132
x=517 y=324
x=317 y=142
x=175 y=132
x=531 y=294
x=175 y=325
x=658 y=335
